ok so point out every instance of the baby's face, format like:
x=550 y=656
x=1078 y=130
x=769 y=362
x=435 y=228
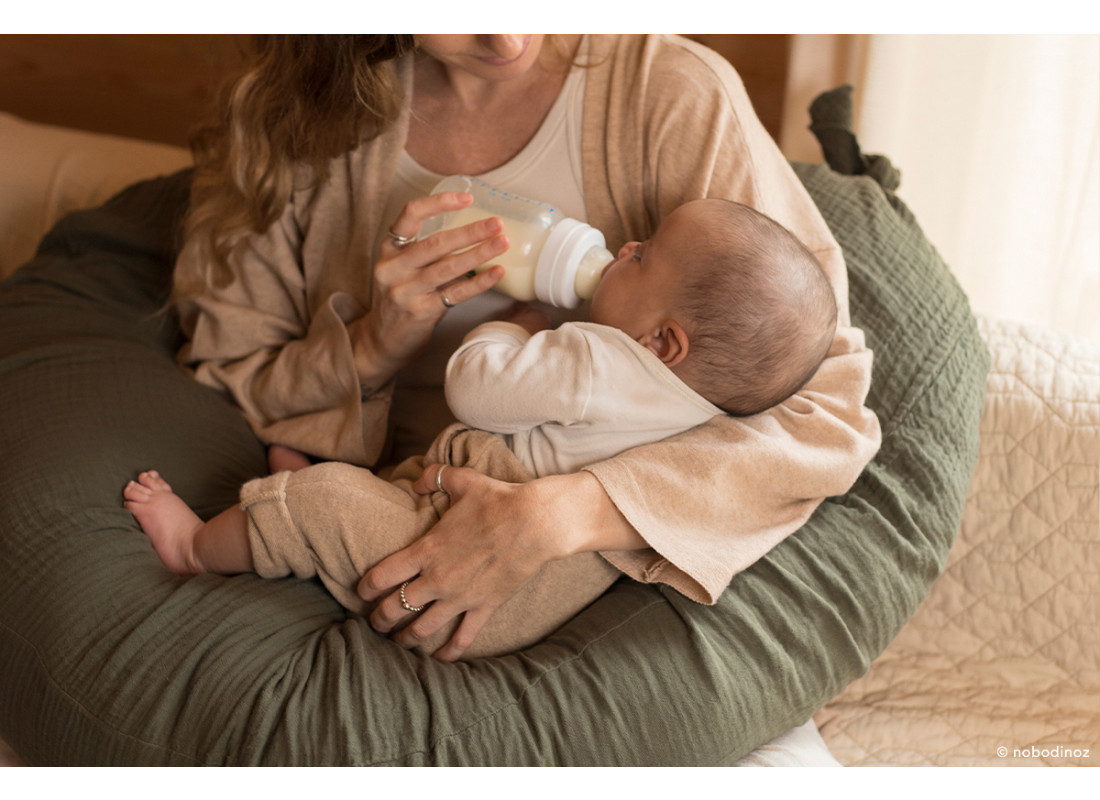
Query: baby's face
x=638 y=288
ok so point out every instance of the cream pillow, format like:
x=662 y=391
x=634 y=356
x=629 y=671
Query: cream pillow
x=47 y=171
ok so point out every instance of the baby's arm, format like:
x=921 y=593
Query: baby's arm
x=505 y=379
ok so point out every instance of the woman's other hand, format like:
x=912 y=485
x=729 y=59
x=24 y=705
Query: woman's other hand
x=416 y=282
x=491 y=541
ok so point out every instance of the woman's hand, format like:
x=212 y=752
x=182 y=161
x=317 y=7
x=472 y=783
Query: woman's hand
x=415 y=284
x=491 y=541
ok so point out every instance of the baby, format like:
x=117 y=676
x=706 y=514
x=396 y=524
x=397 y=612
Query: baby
x=722 y=311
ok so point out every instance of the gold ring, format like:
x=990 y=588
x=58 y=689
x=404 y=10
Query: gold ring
x=405 y=603
x=439 y=480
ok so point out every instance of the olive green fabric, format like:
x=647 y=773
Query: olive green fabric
x=106 y=658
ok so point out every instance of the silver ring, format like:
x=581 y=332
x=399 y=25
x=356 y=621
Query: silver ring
x=439 y=480
x=446 y=300
x=399 y=241
x=405 y=603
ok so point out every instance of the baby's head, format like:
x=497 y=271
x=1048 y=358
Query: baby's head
x=728 y=299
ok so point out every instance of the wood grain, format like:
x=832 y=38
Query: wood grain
x=157 y=87
x=153 y=87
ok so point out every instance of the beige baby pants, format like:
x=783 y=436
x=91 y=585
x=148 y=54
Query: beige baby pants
x=335 y=521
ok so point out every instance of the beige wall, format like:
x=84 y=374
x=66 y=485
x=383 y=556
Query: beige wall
x=817 y=63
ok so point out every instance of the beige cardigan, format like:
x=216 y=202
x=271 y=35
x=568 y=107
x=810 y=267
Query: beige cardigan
x=665 y=121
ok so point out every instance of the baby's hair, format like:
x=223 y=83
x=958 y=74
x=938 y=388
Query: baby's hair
x=761 y=314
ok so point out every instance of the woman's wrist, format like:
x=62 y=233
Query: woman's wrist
x=589 y=520
x=373 y=368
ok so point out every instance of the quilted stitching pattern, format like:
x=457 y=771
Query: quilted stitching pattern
x=1005 y=651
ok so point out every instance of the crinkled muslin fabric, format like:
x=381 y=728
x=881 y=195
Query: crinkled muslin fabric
x=107 y=658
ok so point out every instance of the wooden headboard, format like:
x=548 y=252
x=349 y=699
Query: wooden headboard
x=153 y=87
x=157 y=87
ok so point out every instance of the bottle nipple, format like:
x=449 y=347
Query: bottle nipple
x=570 y=245
x=590 y=271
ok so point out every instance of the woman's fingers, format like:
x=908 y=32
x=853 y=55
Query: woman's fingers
x=413 y=215
x=442 y=243
x=413 y=602
x=455 y=485
x=460 y=641
x=463 y=569
x=423 y=625
x=387 y=575
x=427 y=482
x=419 y=626
x=416 y=282
x=425 y=251
x=427 y=266
x=463 y=289
x=413 y=290
x=391 y=614
x=445 y=263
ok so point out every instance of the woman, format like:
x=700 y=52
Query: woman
x=330 y=325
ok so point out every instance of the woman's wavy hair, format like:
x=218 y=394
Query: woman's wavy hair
x=299 y=100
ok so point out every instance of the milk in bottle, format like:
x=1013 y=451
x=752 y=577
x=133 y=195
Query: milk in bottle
x=553 y=258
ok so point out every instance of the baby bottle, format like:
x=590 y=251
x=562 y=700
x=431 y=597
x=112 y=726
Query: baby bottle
x=551 y=257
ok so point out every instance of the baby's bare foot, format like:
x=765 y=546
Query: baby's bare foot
x=166 y=520
x=281 y=458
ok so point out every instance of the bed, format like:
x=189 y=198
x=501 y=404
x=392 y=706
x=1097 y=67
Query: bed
x=108 y=659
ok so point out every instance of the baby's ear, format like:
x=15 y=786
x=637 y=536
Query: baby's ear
x=669 y=342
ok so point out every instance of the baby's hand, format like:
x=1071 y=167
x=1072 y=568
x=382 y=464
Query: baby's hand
x=527 y=317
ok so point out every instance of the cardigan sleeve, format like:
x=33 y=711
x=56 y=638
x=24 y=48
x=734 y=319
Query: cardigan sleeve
x=288 y=367
x=678 y=126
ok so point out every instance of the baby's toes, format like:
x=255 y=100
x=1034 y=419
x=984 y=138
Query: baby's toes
x=136 y=493
x=152 y=480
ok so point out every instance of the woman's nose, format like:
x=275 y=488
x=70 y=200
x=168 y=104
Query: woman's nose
x=505 y=45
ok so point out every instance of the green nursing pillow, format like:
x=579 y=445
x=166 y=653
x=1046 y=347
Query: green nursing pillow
x=106 y=658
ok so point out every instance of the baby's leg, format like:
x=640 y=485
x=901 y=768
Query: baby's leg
x=337 y=521
x=185 y=543
x=333 y=521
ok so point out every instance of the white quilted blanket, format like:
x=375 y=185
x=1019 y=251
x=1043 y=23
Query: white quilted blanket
x=1001 y=664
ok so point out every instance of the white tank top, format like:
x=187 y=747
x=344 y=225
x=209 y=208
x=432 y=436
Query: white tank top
x=549 y=169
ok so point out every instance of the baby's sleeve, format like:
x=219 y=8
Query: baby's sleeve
x=505 y=380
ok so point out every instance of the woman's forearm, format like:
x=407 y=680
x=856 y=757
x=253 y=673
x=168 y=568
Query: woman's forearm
x=586 y=517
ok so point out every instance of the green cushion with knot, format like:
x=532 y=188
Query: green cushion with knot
x=106 y=658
